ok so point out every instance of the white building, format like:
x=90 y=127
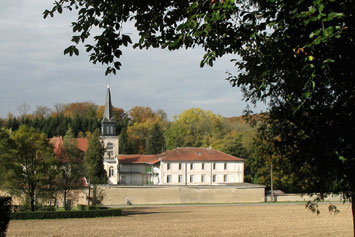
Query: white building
x=200 y=166
x=181 y=166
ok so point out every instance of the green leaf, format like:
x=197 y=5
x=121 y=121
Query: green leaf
x=314 y=33
x=117 y=65
x=76 y=51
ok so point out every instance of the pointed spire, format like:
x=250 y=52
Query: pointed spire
x=108 y=113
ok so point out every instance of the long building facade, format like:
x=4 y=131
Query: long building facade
x=180 y=166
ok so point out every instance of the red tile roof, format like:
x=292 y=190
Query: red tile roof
x=82 y=144
x=57 y=142
x=138 y=159
x=196 y=154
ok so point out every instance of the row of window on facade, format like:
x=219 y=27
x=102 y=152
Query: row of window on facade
x=168 y=166
x=192 y=178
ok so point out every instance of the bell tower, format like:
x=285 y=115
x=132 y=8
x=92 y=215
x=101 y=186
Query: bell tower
x=110 y=141
x=108 y=124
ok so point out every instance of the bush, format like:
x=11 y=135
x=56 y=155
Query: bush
x=65 y=214
x=5 y=209
x=83 y=207
x=46 y=208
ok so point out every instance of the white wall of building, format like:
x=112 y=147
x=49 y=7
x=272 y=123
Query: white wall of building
x=111 y=167
x=111 y=145
x=201 y=172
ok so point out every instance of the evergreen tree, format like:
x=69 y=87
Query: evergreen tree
x=124 y=145
x=94 y=166
x=156 y=142
x=6 y=153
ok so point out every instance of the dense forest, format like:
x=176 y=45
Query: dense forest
x=144 y=131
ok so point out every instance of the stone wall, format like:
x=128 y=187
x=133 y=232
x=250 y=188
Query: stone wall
x=120 y=195
x=297 y=197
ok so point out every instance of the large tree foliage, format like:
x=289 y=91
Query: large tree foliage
x=141 y=128
x=194 y=128
x=94 y=164
x=29 y=171
x=94 y=156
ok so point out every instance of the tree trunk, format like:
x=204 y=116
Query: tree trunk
x=89 y=196
x=353 y=209
x=271 y=183
x=32 y=202
x=65 y=199
x=94 y=198
x=32 y=199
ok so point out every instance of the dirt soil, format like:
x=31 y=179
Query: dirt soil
x=241 y=220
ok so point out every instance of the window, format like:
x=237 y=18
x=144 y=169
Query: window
x=214 y=178
x=168 y=178
x=203 y=178
x=168 y=166
x=180 y=178
x=109 y=149
x=214 y=166
x=225 y=166
x=111 y=172
x=225 y=178
x=109 y=146
x=191 y=166
x=111 y=129
x=203 y=166
x=191 y=178
x=180 y=166
x=107 y=129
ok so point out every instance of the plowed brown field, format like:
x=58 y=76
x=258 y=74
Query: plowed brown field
x=254 y=220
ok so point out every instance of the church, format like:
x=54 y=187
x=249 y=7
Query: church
x=179 y=166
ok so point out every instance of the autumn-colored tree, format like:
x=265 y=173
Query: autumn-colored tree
x=143 y=120
x=82 y=109
x=195 y=127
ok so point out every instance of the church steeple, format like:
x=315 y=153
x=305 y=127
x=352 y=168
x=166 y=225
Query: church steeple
x=108 y=124
x=108 y=114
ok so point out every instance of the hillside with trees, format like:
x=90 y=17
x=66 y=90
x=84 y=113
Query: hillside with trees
x=144 y=131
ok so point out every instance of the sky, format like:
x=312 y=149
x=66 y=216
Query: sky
x=34 y=70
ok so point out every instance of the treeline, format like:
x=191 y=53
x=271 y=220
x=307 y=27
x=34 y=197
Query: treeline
x=80 y=117
x=144 y=131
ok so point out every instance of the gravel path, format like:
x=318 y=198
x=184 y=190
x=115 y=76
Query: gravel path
x=258 y=220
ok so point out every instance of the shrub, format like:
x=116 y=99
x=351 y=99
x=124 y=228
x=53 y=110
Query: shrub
x=5 y=209
x=65 y=214
x=83 y=207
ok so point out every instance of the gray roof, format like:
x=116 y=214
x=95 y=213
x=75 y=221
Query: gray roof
x=108 y=113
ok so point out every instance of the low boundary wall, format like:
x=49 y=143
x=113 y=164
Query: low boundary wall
x=297 y=197
x=122 y=195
